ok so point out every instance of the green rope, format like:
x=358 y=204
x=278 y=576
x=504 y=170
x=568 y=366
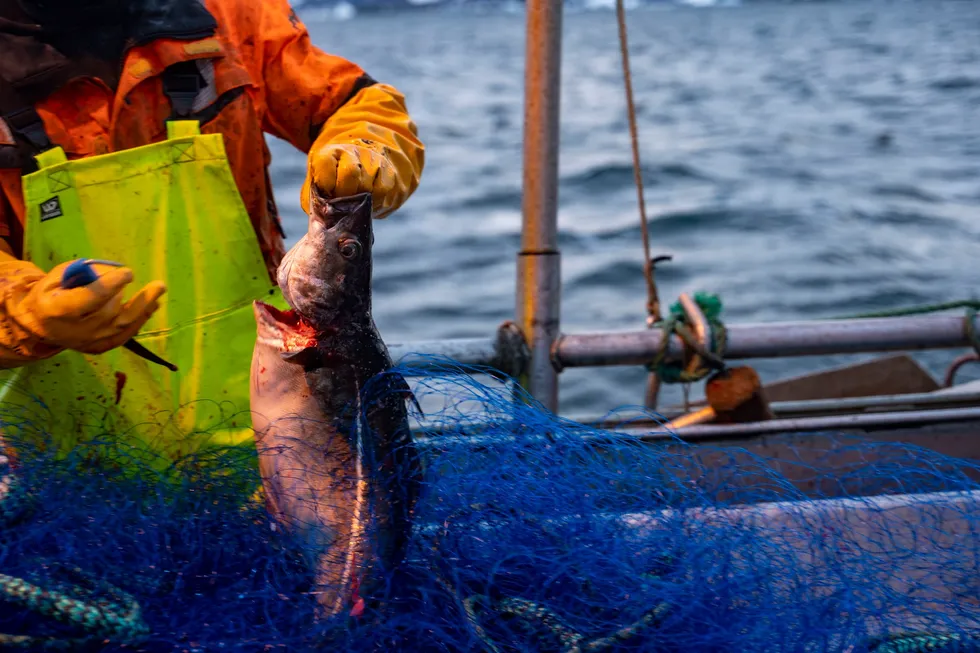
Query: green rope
x=116 y=617
x=119 y=616
x=973 y=305
x=969 y=326
x=530 y=612
x=570 y=640
x=910 y=643
x=676 y=323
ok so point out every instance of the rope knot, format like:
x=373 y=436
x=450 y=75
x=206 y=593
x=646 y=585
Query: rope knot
x=707 y=358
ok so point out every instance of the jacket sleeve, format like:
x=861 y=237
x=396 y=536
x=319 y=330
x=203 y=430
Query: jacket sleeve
x=17 y=345
x=311 y=96
x=302 y=85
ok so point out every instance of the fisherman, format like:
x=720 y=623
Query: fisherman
x=132 y=132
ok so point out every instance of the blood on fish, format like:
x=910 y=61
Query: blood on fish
x=358 y=608
x=298 y=333
x=120 y=384
x=356 y=599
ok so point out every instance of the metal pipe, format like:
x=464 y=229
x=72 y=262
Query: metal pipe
x=655 y=433
x=538 y=263
x=426 y=354
x=812 y=424
x=779 y=340
x=772 y=340
x=910 y=402
x=863 y=510
x=507 y=353
x=876 y=403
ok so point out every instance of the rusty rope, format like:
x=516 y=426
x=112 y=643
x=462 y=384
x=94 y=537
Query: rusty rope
x=653 y=301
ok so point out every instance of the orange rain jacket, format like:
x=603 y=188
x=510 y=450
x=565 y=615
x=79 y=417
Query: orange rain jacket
x=267 y=77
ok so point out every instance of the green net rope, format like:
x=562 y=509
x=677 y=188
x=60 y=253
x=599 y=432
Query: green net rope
x=97 y=609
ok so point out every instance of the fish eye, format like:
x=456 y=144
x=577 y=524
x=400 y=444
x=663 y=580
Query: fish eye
x=350 y=248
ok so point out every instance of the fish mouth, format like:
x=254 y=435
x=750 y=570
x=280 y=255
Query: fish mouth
x=288 y=330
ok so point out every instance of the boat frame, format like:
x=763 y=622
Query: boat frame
x=892 y=402
x=534 y=350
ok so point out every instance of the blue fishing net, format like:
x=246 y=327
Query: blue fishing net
x=533 y=533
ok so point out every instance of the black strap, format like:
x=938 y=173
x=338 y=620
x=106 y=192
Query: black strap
x=28 y=127
x=29 y=135
x=25 y=125
x=181 y=84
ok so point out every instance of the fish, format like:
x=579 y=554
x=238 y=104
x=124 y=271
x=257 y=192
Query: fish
x=340 y=470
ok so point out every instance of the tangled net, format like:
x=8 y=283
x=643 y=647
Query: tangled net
x=533 y=533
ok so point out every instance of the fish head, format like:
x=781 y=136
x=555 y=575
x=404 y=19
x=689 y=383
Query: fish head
x=326 y=276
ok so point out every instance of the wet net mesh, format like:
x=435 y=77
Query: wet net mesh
x=533 y=533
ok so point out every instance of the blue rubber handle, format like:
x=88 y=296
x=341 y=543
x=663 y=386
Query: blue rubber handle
x=80 y=273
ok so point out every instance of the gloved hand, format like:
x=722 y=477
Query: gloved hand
x=38 y=318
x=370 y=145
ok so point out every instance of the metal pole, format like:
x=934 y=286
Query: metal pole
x=745 y=341
x=917 y=404
x=507 y=353
x=774 y=340
x=538 y=263
x=900 y=418
x=655 y=432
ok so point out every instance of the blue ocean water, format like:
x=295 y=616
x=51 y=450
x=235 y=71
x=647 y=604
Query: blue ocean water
x=802 y=160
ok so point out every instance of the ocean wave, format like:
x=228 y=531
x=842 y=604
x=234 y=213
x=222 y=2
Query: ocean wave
x=613 y=177
x=902 y=191
x=957 y=83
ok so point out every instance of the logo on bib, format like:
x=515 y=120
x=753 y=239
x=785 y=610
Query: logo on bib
x=51 y=209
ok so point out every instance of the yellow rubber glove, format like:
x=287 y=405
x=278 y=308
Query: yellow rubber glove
x=370 y=145
x=38 y=318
